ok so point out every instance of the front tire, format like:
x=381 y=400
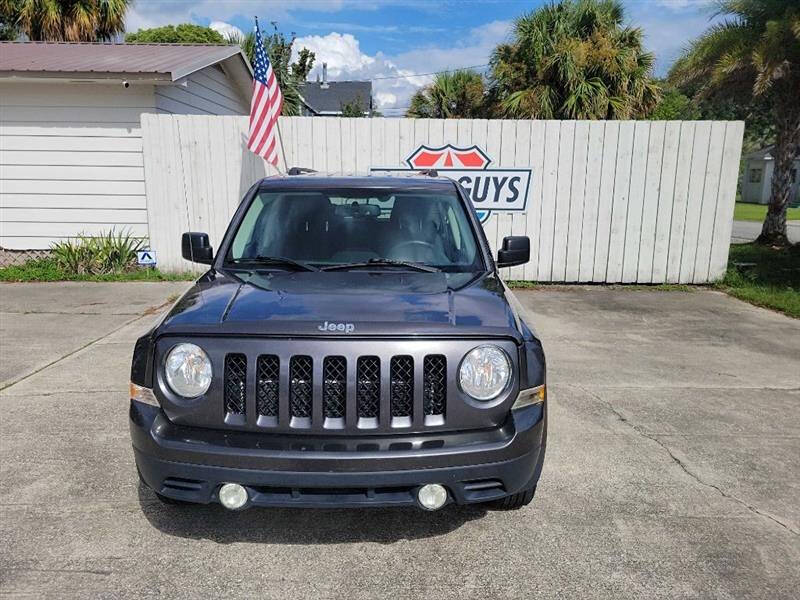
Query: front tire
x=514 y=501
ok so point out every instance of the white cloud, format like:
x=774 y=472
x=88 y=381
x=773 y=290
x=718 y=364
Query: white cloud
x=394 y=78
x=227 y=30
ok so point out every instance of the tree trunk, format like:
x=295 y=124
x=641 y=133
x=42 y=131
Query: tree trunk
x=787 y=149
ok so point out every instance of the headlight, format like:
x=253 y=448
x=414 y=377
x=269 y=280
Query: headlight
x=484 y=372
x=188 y=370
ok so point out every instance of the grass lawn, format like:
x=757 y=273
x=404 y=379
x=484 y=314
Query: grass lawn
x=46 y=269
x=765 y=277
x=757 y=212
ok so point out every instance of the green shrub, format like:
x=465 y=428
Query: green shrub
x=109 y=253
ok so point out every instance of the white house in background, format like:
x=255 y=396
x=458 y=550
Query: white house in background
x=757 y=178
x=70 y=136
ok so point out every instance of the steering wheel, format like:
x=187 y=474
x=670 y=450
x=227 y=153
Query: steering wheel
x=430 y=247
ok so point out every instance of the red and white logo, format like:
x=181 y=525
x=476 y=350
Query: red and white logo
x=494 y=189
x=448 y=157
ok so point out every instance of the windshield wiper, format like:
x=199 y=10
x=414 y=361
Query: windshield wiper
x=273 y=260
x=379 y=262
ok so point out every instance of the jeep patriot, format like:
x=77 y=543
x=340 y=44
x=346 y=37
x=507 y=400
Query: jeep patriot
x=351 y=344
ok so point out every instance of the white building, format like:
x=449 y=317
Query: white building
x=757 y=178
x=70 y=136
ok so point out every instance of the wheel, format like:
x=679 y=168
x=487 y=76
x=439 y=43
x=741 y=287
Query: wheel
x=171 y=501
x=514 y=501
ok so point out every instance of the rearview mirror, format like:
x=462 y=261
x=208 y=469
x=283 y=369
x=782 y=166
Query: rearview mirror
x=196 y=247
x=516 y=250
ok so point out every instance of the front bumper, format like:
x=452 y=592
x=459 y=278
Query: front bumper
x=190 y=463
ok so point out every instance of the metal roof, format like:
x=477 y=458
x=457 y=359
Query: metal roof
x=328 y=97
x=146 y=61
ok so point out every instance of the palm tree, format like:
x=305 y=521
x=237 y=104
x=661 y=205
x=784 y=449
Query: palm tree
x=574 y=60
x=456 y=95
x=66 y=20
x=754 y=55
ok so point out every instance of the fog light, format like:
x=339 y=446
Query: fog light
x=432 y=496
x=232 y=496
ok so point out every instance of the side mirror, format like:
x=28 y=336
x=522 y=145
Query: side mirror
x=516 y=250
x=196 y=247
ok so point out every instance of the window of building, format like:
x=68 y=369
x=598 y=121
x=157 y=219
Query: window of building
x=755 y=175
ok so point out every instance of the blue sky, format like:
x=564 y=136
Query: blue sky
x=389 y=41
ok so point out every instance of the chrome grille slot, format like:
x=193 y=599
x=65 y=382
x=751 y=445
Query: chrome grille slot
x=235 y=381
x=300 y=386
x=401 y=398
x=434 y=384
x=368 y=387
x=267 y=385
x=334 y=387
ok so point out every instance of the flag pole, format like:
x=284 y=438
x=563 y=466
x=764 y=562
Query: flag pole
x=278 y=120
x=280 y=140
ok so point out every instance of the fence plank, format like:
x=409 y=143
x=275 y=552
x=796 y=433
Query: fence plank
x=549 y=181
x=669 y=166
x=680 y=197
x=694 y=202
x=594 y=168
x=607 y=177
x=726 y=196
x=636 y=190
x=708 y=209
x=580 y=155
x=619 y=207
x=505 y=220
x=519 y=222
x=655 y=149
x=533 y=213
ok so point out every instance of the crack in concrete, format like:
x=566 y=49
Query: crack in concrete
x=684 y=467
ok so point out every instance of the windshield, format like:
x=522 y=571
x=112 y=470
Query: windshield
x=342 y=226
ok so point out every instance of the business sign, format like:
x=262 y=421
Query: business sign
x=489 y=189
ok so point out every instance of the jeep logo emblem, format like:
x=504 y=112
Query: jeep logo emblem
x=341 y=327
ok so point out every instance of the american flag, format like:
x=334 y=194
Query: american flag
x=265 y=106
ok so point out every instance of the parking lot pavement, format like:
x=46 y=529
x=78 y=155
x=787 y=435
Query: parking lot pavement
x=672 y=469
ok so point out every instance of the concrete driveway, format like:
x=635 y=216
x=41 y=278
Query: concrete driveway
x=673 y=468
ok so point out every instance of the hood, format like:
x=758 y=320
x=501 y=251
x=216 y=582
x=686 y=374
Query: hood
x=344 y=303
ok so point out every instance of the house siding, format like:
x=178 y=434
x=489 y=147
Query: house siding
x=207 y=92
x=70 y=161
x=71 y=152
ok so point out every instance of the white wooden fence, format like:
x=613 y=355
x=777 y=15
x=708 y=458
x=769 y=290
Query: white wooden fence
x=608 y=201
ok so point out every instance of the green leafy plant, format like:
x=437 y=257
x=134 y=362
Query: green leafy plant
x=108 y=253
x=185 y=33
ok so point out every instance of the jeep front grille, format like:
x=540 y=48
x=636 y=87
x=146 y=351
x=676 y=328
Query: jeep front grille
x=300 y=391
x=235 y=383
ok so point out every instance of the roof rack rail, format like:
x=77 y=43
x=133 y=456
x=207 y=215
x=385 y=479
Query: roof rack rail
x=300 y=171
x=429 y=173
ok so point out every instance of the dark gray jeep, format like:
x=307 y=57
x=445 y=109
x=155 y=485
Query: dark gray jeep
x=351 y=344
